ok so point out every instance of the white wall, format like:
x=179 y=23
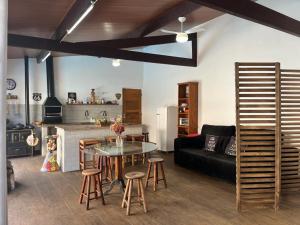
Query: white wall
x=80 y=74
x=76 y=74
x=226 y=40
x=72 y=74
x=15 y=70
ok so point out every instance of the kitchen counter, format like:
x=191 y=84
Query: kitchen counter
x=69 y=136
x=87 y=126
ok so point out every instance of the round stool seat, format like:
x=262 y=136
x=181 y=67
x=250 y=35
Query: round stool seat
x=134 y=175
x=91 y=172
x=152 y=160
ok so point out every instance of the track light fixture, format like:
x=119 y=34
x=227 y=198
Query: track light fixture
x=46 y=56
x=87 y=11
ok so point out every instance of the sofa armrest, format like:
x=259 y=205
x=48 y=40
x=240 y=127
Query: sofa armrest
x=187 y=142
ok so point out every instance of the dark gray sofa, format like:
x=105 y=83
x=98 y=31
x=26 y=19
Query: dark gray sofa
x=190 y=153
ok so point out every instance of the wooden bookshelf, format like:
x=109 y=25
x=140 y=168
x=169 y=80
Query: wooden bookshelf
x=187 y=108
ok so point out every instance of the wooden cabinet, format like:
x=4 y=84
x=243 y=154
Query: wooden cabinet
x=187 y=108
x=132 y=106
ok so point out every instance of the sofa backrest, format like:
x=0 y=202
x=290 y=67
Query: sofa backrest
x=224 y=133
x=218 y=130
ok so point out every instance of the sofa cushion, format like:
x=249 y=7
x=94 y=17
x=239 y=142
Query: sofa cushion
x=218 y=130
x=196 y=151
x=231 y=147
x=222 y=143
x=211 y=142
x=222 y=166
x=219 y=159
x=194 y=158
x=199 y=155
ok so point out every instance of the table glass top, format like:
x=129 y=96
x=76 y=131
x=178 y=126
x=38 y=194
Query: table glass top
x=128 y=148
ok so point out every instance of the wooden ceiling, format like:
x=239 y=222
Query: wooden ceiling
x=110 y=19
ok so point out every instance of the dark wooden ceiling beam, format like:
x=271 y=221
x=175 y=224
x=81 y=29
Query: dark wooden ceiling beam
x=78 y=8
x=100 y=51
x=255 y=12
x=134 y=42
x=181 y=9
x=195 y=49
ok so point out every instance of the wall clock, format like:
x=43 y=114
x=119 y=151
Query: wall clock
x=11 y=84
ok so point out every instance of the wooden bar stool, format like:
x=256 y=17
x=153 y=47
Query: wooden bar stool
x=83 y=143
x=146 y=136
x=88 y=175
x=138 y=176
x=155 y=162
x=104 y=164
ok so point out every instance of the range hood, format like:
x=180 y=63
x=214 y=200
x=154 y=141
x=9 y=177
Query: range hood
x=52 y=108
x=52 y=101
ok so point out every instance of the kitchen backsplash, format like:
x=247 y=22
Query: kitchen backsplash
x=71 y=113
x=77 y=113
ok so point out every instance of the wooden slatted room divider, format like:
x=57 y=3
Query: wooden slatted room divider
x=258 y=134
x=290 y=127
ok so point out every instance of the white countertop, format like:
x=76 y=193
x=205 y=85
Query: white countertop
x=86 y=126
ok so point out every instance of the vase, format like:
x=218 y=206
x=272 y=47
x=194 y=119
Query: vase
x=119 y=141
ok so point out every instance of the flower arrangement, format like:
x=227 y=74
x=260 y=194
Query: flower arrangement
x=117 y=126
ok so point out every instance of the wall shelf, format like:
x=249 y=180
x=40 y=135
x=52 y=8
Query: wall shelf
x=91 y=104
x=187 y=109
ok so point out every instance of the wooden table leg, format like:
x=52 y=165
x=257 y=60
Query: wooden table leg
x=155 y=176
x=118 y=176
x=118 y=168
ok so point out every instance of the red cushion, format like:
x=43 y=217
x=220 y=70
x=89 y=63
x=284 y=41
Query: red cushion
x=192 y=135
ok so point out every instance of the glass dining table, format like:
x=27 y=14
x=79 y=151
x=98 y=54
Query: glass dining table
x=111 y=150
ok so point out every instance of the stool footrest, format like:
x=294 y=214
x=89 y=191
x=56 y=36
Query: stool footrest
x=160 y=179
x=134 y=202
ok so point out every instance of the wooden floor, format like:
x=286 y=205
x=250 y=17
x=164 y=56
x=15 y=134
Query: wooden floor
x=191 y=198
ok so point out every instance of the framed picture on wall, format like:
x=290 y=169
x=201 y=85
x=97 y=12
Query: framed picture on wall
x=72 y=97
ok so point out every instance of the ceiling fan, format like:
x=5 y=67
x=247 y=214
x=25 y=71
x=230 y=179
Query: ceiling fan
x=182 y=36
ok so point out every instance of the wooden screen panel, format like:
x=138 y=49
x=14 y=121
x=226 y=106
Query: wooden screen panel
x=290 y=128
x=257 y=116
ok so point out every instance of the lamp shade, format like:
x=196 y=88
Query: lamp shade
x=182 y=37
